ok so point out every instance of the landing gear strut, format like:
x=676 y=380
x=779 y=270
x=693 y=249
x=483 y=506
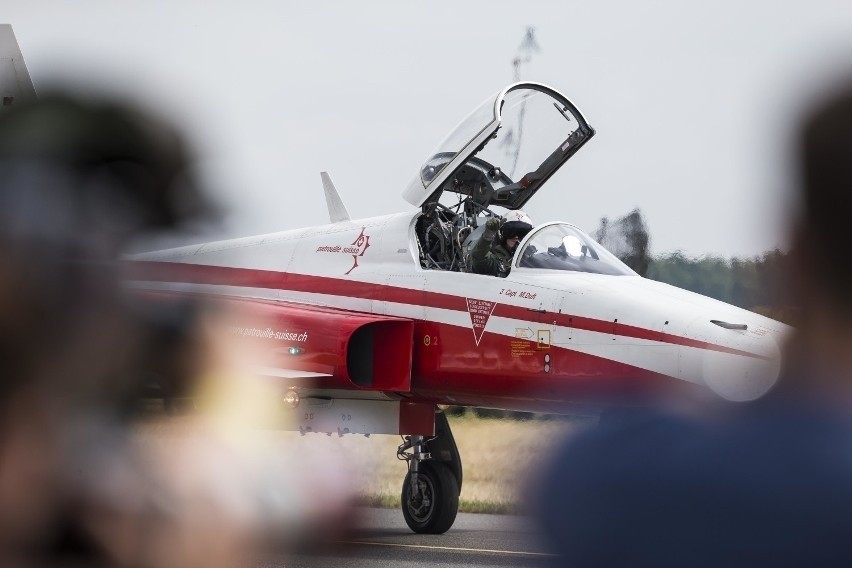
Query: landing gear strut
x=430 y=492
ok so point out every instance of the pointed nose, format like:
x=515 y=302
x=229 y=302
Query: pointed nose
x=742 y=359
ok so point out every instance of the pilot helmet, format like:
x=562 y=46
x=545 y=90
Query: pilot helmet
x=518 y=216
x=517 y=224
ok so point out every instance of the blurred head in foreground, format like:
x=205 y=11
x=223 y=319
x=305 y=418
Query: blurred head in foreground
x=822 y=272
x=767 y=483
x=79 y=179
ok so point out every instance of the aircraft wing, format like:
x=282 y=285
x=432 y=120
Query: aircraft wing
x=287 y=373
x=15 y=82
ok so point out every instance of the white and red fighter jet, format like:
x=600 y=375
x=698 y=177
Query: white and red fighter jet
x=366 y=326
x=374 y=322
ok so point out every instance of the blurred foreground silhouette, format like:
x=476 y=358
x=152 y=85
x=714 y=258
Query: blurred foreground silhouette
x=79 y=180
x=767 y=483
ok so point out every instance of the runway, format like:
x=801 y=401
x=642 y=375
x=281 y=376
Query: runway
x=383 y=539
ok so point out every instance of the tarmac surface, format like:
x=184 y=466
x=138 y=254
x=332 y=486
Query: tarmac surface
x=381 y=538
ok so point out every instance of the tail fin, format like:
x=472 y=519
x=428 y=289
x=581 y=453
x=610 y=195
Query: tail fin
x=15 y=82
x=336 y=209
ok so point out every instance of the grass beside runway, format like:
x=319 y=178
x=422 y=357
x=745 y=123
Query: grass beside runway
x=500 y=457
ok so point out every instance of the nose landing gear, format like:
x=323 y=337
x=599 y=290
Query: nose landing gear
x=430 y=491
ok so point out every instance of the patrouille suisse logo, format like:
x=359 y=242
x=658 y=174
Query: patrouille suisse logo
x=357 y=249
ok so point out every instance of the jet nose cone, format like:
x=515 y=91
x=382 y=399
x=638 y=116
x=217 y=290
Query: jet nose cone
x=741 y=360
x=746 y=376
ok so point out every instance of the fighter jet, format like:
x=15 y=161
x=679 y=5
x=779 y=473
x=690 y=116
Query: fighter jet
x=368 y=326
x=375 y=322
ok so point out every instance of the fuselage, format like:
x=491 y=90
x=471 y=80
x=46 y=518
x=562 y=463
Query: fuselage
x=539 y=340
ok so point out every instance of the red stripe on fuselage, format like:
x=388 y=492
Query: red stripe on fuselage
x=175 y=272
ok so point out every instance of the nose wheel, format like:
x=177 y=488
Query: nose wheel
x=430 y=491
x=430 y=497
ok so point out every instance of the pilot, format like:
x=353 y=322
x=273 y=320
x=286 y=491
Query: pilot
x=495 y=257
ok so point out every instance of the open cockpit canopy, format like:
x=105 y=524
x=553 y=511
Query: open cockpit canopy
x=504 y=151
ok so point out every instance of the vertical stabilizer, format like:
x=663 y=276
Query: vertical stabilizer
x=15 y=82
x=336 y=209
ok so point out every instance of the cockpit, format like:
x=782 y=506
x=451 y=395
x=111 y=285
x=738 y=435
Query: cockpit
x=560 y=246
x=498 y=158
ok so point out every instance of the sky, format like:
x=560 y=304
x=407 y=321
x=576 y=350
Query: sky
x=694 y=103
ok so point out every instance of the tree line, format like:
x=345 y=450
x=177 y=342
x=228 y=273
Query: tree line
x=754 y=283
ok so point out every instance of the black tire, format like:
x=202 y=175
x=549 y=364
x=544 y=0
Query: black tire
x=434 y=510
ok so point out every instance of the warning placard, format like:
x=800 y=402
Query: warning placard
x=521 y=347
x=480 y=311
